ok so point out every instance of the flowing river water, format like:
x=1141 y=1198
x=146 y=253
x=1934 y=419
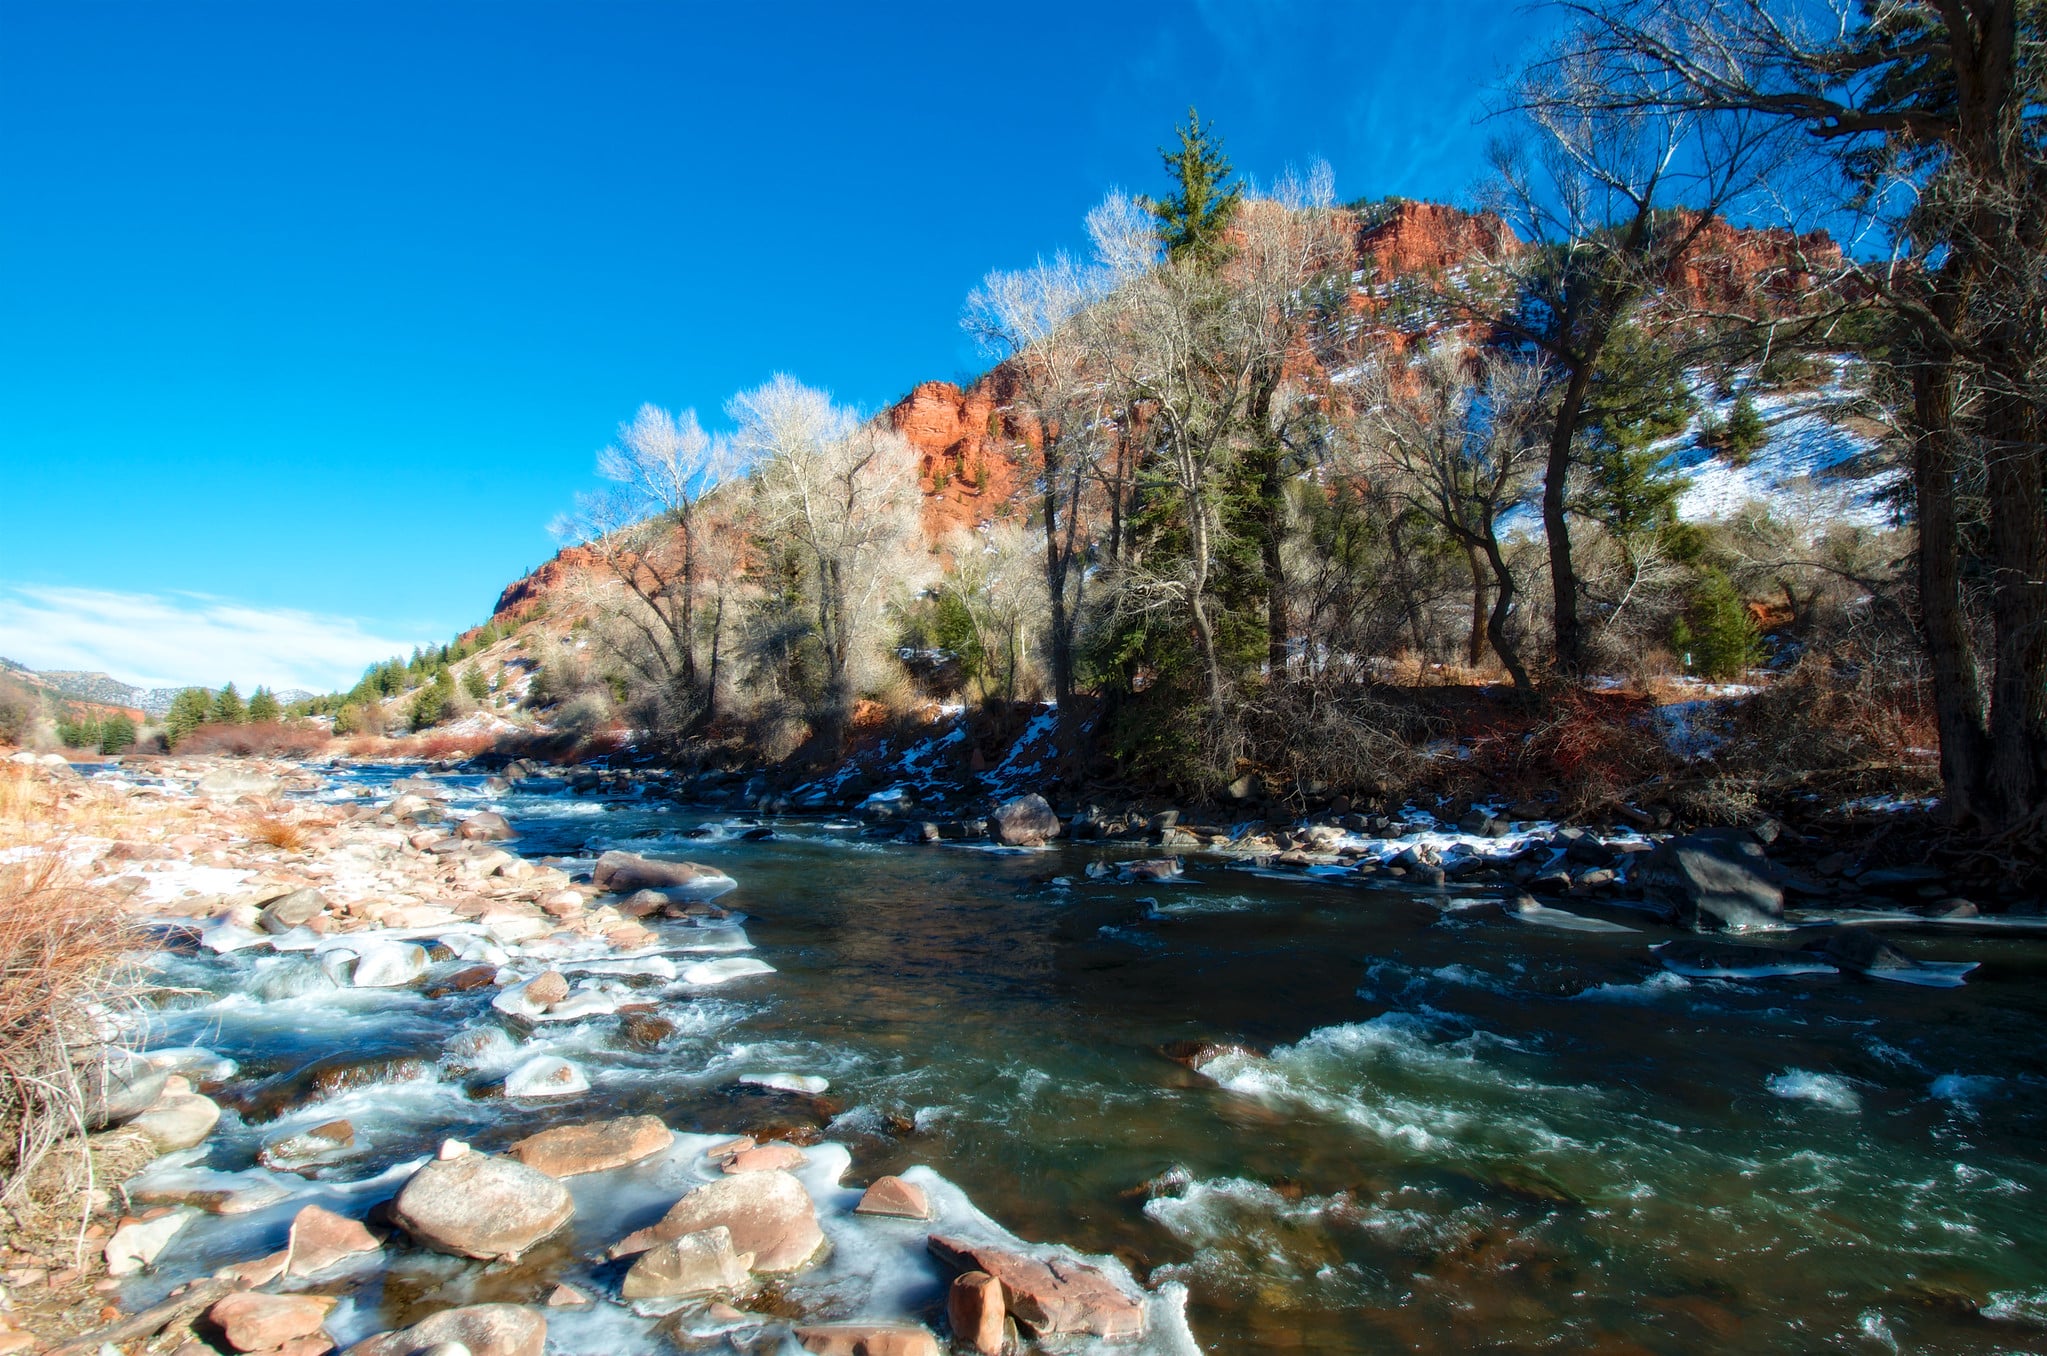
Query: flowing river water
x=1412 y=1124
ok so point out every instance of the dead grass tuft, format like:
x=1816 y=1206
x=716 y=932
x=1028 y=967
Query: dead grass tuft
x=61 y=968
x=278 y=833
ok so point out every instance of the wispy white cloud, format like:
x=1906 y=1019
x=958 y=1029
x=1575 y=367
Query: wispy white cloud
x=171 y=640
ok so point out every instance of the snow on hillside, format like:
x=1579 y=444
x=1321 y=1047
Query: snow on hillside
x=1814 y=469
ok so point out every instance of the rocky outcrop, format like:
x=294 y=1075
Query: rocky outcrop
x=475 y=1205
x=1426 y=237
x=768 y=1213
x=1051 y=1297
x=570 y=1150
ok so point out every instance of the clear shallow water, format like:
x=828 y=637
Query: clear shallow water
x=1438 y=1129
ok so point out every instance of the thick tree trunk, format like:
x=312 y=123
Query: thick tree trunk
x=1556 y=526
x=1957 y=695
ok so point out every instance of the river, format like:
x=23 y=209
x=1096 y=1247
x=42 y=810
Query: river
x=1322 y=1117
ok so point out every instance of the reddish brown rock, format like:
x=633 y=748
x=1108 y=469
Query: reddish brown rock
x=547 y=987
x=974 y=1308
x=320 y=1238
x=477 y=1205
x=254 y=1321
x=1050 y=1297
x=485 y=1329
x=702 y=1263
x=867 y=1339
x=769 y=1213
x=767 y=1158
x=568 y=1150
x=893 y=1196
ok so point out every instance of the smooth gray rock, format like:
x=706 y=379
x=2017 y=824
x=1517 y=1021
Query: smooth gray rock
x=1711 y=880
x=1026 y=821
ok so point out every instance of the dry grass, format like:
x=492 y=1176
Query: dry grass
x=61 y=966
x=277 y=832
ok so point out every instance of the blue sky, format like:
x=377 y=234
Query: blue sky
x=318 y=312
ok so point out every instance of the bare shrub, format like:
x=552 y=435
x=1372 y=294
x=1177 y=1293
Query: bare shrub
x=1331 y=739
x=269 y=739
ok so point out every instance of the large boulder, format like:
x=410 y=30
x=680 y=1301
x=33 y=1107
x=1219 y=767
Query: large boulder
x=1049 y=1297
x=479 y=1329
x=1713 y=879
x=624 y=872
x=293 y=910
x=769 y=1213
x=894 y=1197
x=1026 y=821
x=474 y=1205
x=702 y=1263
x=599 y=1146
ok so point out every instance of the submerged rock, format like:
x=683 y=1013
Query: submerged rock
x=1716 y=878
x=480 y=1206
x=569 y=1150
x=700 y=1263
x=769 y=1213
x=546 y=1076
x=1050 y=1297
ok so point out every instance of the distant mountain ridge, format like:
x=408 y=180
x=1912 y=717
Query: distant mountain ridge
x=108 y=691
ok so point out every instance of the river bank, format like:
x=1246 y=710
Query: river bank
x=1324 y=1098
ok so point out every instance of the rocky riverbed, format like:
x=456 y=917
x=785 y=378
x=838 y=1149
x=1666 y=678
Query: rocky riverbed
x=532 y=1061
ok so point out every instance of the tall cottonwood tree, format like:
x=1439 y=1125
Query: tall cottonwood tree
x=843 y=492
x=650 y=534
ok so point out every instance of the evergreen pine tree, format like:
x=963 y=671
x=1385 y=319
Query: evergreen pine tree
x=263 y=707
x=189 y=710
x=1744 y=433
x=474 y=683
x=1192 y=220
x=228 y=708
x=430 y=707
x=1716 y=636
x=117 y=732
